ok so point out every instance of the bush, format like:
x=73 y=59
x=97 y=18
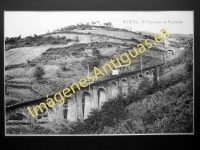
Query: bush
x=148 y=117
x=149 y=36
x=39 y=71
x=64 y=68
x=77 y=39
x=68 y=40
x=124 y=44
x=135 y=97
x=145 y=87
x=28 y=61
x=189 y=67
x=55 y=42
x=110 y=45
x=133 y=39
x=111 y=113
x=129 y=126
x=75 y=53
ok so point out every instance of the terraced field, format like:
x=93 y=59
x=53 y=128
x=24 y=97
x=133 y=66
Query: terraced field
x=22 y=54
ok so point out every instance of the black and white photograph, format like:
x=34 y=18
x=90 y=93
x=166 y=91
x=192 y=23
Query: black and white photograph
x=98 y=73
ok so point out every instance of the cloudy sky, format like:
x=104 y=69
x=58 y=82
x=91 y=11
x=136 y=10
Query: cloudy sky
x=26 y=23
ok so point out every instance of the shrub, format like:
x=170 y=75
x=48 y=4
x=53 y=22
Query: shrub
x=148 y=117
x=110 y=45
x=55 y=42
x=77 y=39
x=111 y=113
x=145 y=87
x=75 y=53
x=129 y=126
x=39 y=71
x=189 y=67
x=78 y=127
x=133 y=39
x=28 y=61
x=140 y=33
x=64 y=68
x=124 y=44
x=68 y=40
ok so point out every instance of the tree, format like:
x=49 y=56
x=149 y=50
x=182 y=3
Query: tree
x=39 y=72
x=19 y=37
x=109 y=24
x=155 y=80
x=98 y=23
x=105 y=24
x=35 y=36
x=7 y=40
x=93 y=23
x=28 y=61
x=128 y=28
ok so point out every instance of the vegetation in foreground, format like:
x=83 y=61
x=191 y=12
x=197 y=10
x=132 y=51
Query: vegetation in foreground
x=169 y=110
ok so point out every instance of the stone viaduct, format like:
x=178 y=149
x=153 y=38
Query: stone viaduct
x=80 y=104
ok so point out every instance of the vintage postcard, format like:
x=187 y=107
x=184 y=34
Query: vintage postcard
x=98 y=73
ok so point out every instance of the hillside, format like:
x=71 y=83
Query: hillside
x=64 y=55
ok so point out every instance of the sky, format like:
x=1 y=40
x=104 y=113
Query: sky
x=26 y=23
